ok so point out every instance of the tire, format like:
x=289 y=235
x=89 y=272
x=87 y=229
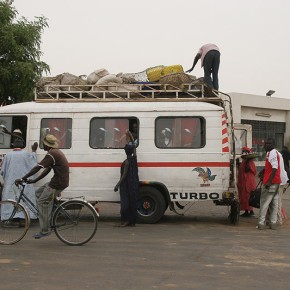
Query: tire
x=151 y=205
x=235 y=213
x=12 y=230
x=75 y=222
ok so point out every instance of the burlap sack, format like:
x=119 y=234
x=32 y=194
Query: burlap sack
x=176 y=80
x=71 y=80
x=48 y=83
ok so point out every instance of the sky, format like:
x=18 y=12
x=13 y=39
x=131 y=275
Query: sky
x=130 y=36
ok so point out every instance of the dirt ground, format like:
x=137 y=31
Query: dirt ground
x=199 y=250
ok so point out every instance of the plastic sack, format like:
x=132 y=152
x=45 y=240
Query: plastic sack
x=154 y=73
x=172 y=69
x=129 y=78
x=109 y=79
x=96 y=75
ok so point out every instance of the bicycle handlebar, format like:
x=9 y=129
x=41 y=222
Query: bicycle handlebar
x=21 y=182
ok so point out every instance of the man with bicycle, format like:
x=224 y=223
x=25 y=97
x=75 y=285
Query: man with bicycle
x=56 y=160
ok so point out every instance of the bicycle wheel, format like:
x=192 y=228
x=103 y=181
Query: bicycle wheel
x=75 y=222
x=15 y=226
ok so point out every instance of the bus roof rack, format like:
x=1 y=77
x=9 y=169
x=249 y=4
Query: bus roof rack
x=126 y=92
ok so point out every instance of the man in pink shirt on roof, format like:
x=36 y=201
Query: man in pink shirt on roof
x=209 y=56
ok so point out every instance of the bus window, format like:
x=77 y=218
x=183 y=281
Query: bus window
x=12 y=123
x=179 y=132
x=111 y=132
x=61 y=128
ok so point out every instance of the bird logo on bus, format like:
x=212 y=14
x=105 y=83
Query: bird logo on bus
x=205 y=175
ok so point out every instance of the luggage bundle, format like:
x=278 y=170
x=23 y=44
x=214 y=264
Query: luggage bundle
x=101 y=79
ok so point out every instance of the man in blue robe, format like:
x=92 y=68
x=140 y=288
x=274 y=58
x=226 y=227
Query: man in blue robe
x=15 y=164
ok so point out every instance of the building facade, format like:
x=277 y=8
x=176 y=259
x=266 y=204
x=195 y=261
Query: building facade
x=269 y=117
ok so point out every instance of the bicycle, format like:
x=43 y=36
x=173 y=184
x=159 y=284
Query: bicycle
x=74 y=220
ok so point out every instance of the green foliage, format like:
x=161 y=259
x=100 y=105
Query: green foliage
x=20 y=64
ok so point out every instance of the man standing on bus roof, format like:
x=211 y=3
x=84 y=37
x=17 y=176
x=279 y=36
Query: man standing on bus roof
x=209 y=56
x=56 y=160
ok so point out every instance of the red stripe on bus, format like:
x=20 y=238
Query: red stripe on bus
x=224 y=131
x=225 y=140
x=152 y=164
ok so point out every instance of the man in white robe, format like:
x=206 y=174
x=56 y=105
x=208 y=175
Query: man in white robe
x=15 y=164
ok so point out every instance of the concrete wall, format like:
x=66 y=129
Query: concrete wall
x=262 y=108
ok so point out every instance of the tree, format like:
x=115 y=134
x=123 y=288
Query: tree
x=20 y=64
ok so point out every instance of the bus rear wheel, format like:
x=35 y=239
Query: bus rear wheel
x=151 y=205
x=235 y=213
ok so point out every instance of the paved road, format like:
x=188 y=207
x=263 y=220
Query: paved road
x=197 y=251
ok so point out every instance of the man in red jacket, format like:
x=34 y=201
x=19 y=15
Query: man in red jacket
x=271 y=181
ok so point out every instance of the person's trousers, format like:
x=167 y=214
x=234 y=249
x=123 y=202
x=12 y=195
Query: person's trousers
x=45 y=198
x=269 y=200
x=211 y=64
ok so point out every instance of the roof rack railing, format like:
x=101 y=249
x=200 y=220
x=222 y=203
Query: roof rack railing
x=123 y=92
